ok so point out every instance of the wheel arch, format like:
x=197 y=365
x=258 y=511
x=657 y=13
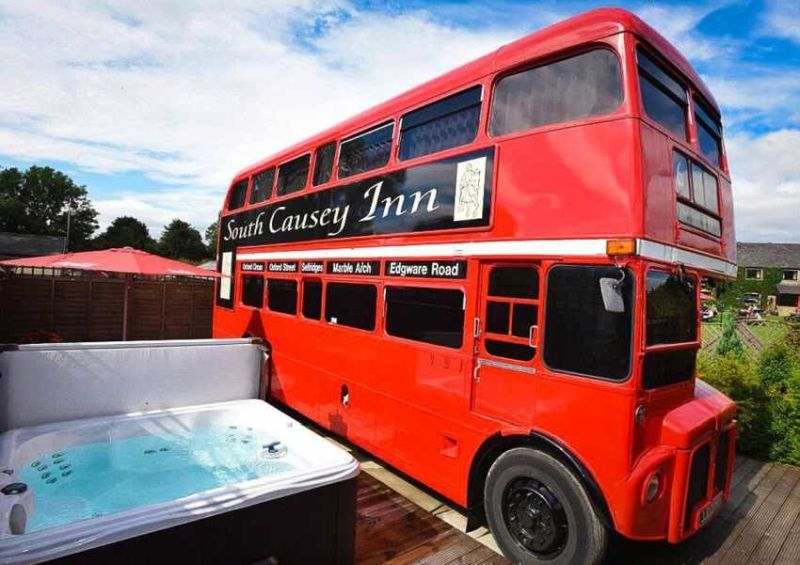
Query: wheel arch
x=498 y=444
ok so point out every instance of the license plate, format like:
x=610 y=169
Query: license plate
x=709 y=511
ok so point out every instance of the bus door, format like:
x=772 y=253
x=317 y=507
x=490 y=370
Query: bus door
x=506 y=332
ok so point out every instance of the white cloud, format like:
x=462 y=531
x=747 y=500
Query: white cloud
x=766 y=185
x=190 y=92
x=782 y=18
x=678 y=24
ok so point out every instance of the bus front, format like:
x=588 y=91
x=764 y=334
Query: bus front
x=684 y=432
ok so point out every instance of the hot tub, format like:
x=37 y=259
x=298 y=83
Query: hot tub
x=234 y=482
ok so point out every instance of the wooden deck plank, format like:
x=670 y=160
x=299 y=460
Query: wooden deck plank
x=790 y=551
x=774 y=538
x=760 y=522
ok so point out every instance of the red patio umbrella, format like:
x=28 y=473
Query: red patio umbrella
x=125 y=260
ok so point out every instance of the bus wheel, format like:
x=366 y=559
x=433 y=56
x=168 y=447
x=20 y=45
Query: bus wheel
x=539 y=512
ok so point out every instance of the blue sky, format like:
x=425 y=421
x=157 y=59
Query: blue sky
x=154 y=106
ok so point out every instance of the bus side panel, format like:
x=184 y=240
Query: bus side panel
x=545 y=179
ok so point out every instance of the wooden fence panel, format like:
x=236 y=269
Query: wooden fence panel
x=89 y=309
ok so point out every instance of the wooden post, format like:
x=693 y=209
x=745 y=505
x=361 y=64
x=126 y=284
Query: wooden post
x=125 y=308
x=163 y=306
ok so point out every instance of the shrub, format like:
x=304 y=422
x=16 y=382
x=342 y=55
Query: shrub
x=779 y=371
x=738 y=377
x=729 y=341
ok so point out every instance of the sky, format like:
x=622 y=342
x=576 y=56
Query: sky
x=154 y=106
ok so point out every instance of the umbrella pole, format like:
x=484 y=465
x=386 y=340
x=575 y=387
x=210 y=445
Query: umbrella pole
x=125 y=309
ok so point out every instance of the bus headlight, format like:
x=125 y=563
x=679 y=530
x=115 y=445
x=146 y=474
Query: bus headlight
x=652 y=486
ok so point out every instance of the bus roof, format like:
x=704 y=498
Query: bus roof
x=589 y=26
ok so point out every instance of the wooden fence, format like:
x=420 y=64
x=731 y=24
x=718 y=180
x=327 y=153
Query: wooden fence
x=91 y=309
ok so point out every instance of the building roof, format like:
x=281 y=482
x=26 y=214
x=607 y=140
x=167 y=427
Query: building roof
x=776 y=255
x=14 y=245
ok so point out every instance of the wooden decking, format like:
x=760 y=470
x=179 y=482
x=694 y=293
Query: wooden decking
x=759 y=525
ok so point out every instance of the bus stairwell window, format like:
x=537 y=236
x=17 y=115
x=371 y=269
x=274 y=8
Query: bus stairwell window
x=444 y=124
x=292 y=176
x=351 y=304
x=366 y=151
x=586 y=85
x=282 y=295
x=428 y=315
x=253 y=290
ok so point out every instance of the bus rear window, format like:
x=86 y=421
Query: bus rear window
x=349 y=304
x=580 y=335
x=429 y=315
x=238 y=194
x=664 y=99
x=582 y=86
x=671 y=308
x=253 y=290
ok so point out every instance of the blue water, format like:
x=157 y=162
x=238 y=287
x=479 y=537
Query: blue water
x=96 y=479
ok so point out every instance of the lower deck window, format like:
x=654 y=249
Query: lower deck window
x=351 y=304
x=253 y=291
x=581 y=335
x=429 y=315
x=282 y=295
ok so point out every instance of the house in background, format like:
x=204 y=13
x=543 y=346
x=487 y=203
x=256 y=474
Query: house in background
x=19 y=245
x=770 y=269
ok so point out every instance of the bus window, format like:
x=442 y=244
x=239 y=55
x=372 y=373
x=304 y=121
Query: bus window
x=671 y=316
x=429 y=315
x=580 y=335
x=444 y=124
x=282 y=295
x=697 y=194
x=262 y=186
x=253 y=290
x=582 y=86
x=323 y=168
x=664 y=99
x=292 y=176
x=351 y=304
x=508 y=315
x=238 y=194
x=709 y=132
x=312 y=299
x=366 y=151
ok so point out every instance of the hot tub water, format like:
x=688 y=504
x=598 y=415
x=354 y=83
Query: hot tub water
x=95 y=479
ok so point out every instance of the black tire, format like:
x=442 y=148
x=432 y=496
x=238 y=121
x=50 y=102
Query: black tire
x=539 y=512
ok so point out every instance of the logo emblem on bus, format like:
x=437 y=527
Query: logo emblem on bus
x=470 y=180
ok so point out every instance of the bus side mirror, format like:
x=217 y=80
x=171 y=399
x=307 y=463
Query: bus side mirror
x=611 y=289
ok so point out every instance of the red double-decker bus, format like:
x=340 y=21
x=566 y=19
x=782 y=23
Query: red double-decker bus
x=491 y=283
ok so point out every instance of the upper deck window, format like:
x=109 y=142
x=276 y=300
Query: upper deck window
x=262 y=186
x=664 y=99
x=709 y=133
x=582 y=86
x=323 y=168
x=238 y=194
x=447 y=123
x=366 y=151
x=292 y=176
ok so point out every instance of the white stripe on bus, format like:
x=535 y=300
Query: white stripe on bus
x=542 y=247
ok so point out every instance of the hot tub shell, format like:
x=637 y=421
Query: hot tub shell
x=306 y=516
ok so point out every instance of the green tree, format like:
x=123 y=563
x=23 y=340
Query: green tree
x=38 y=201
x=729 y=341
x=180 y=240
x=126 y=231
x=211 y=238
